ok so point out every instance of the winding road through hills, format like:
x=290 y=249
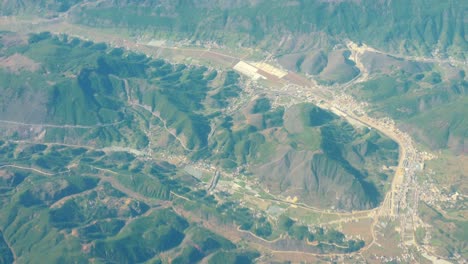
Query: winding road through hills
x=292 y=85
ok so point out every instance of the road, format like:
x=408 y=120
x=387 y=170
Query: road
x=15 y=123
x=12 y=250
x=292 y=86
x=392 y=132
x=28 y=168
x=170 y=131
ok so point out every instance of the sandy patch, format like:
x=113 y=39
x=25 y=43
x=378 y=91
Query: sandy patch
x=5 y=174
x=11 y=40
x=17 y=62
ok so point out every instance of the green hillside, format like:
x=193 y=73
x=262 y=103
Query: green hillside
x=177 y=155
x=87 y=170
x=427 y=101
x=78 y=215
x=45 y=7
x=88 y=212
x=81 y=85
x=399 y=26
x=99 y=96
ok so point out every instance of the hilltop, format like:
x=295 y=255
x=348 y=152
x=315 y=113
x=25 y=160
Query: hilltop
x=233 y=131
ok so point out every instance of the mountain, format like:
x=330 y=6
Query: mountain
x=280 y=26
x=105 y=97
x=42 y=7
x=77 y=171
x=428 y=99
x=309 y=153
x=292 y=26
x=214 y=131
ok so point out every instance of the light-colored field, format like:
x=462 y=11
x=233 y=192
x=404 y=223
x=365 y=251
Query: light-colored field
x=270 y=69
x=248 y=70
x=359 y=228
x=156 y=43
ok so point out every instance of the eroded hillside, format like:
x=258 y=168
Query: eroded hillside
x=105 y=148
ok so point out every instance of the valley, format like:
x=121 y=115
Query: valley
x=294 y=90
x=221 y=128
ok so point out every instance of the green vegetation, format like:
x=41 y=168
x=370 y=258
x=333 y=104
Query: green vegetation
x=233 y=257
x=99 y=191
x=314 y=116
x=94 y=89
x=230 y=89
x=408 y=28
x=420 y=234
x=178 y=99
x=325 y=151
x=430 y=107
x=84 y=126
x=87 y=87
x=350 y=159
x=12 y=7
x=138 y=243
x=53 y=190
x=101 y=229
x=76 y=217
x=261 y=105
x=6 y=256
x=204 y=243
x=448 y=236
x=329 y=237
